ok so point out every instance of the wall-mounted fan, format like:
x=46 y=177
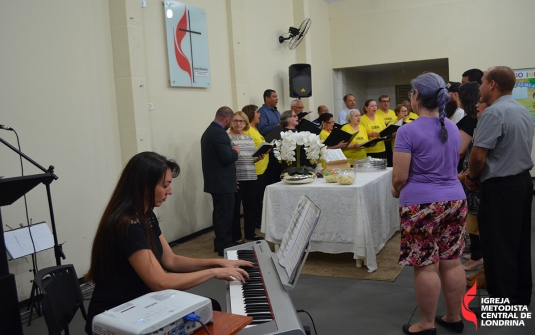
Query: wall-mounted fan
x=296 y=34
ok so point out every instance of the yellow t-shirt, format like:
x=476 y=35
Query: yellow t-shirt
x=376 y=126
x=361 y=137
x=413 y=116
x=324 y=134
x=261 y=165
x=388 y=117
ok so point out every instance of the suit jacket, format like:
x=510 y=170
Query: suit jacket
x=218 y=160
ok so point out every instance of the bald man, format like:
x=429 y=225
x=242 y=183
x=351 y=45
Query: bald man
x=322 y=109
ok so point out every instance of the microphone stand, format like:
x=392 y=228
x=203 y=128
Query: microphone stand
x=58 y=250
x=9 y=311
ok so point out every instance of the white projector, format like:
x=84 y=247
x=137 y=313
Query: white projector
x=160 y=312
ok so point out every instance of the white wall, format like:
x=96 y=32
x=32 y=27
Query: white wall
x=181 y=115
x=470 y=33
x=57 y=91
x=57 y=87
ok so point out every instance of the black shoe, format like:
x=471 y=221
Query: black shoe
x=453 y=326
x=254 y=238
x=430 y=331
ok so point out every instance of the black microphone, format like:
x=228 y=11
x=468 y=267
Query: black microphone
x=5 y=127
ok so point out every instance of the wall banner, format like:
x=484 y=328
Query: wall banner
x=524 y=91
x=187 y=45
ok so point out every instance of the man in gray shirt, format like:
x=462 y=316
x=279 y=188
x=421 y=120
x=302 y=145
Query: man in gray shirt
x=499 y=165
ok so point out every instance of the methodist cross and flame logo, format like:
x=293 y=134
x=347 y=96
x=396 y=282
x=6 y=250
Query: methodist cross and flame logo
x=187 y=45
x=468 y=314
x=182 y=60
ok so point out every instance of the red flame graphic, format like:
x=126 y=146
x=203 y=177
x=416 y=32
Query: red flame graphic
x=467 y=313
x=181 y=58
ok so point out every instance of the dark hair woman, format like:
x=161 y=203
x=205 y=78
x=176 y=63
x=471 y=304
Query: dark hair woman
x=373 y=124
x=327 y=125
x=432 y=205
x=130 y=256
x=468 y=95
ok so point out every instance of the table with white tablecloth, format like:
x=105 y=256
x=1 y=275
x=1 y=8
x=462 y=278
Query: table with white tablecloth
x=357 y=218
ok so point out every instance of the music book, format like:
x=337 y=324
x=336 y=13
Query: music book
x=369 y=143
x=391 y=128
x=263 y=148
x=301 y=115
x=19 y=242
x=297 y=236
x=337 y=135
x=334 y=155
x=305 y=125
x=337 y=126
x=275 y=134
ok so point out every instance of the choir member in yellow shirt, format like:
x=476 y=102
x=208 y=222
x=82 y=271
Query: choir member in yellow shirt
x=402 y=113
x=327 y=124
x=373 y=124
x=354 y=150
x=412 y=115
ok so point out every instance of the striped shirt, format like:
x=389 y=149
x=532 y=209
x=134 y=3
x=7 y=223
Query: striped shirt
x=245 y=169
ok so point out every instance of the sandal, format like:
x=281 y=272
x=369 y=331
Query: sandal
x=471 y=265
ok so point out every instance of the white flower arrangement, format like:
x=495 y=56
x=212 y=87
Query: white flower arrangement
x=286 y=148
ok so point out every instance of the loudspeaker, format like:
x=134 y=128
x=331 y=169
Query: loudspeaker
x=300 y=80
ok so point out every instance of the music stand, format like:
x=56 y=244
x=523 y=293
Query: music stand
x=11 y=189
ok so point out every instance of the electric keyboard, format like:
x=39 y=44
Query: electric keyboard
x=264 y=295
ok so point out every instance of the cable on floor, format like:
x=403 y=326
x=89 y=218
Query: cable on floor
x=311 y=319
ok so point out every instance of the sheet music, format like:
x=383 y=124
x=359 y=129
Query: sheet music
x=297 y=235
x=19 y=242
x=334 y=155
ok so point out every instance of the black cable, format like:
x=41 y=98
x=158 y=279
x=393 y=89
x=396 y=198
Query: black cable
x=412 y=314
x=311 y=319
x=202 y=324
x=34 y=258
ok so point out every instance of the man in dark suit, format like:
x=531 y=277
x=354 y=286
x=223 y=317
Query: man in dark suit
x=218 y=157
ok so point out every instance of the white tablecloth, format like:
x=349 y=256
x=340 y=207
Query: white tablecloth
x=356 y=218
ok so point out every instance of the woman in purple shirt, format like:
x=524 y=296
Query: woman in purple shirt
x=432 y=205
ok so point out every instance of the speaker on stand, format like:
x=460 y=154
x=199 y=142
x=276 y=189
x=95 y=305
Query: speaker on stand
x=300 y=76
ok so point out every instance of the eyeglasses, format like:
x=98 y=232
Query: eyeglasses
x=238 y=121
x=410 y=93
x=385 y=101
x=332 y=122
x=294 y=115
x=479 y=102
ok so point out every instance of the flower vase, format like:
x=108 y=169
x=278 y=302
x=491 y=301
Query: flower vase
x=295 y=174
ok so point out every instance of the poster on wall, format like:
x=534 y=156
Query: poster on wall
x=187 y=45
x=524 y=91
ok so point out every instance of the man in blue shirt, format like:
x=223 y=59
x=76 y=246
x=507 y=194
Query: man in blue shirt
x=269 y=115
